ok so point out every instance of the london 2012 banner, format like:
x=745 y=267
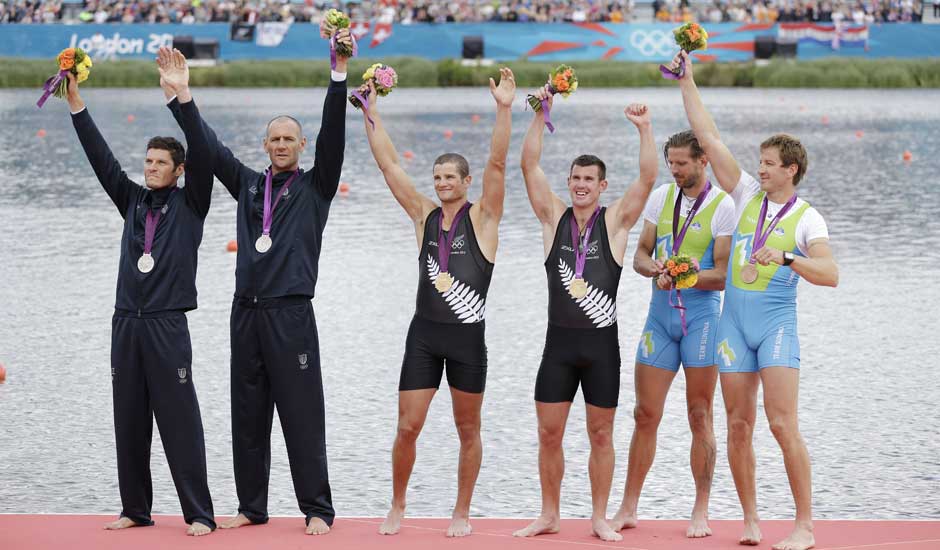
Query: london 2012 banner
x=502 y=41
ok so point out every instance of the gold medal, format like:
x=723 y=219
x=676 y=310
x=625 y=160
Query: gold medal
x=443 y=282
x=749 y=273
x=578 y=289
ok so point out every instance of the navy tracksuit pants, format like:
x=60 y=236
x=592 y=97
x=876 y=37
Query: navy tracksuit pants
x=151 y=376
x=276 y=362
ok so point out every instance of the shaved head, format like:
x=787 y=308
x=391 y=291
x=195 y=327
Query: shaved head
x=281 y=119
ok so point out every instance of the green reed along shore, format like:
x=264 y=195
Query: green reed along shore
x=422 y=73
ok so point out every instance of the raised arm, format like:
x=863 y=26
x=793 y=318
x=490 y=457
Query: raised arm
x=494 y=174
x=230 y=171
x=108 y=170
x=630 y=206
x=416 y=205
x=331 y=141
x=175 y=74
x=723 y=163
x=548 y=206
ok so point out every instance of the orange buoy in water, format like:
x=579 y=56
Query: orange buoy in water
x=448 y=134
x=475 y=118
x=343 y=187
x=232 y=246
x=41 y=133
x=825 y=120
x=3 y=372
x=408 y=154
x=131 y=118
x=907 y=156
x=859 y=134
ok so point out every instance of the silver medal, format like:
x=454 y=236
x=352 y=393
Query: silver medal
x=263 y=244
x=145 y=263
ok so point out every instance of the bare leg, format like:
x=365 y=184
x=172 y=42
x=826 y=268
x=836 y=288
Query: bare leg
x=412 y=411
x=552 y=420
x=652 y=386
x=739 y=390
x=600 y=428
x=781 y=396
x=467 y=419
x=699 y=395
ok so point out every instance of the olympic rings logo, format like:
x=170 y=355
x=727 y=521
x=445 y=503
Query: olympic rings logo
x=653 y=43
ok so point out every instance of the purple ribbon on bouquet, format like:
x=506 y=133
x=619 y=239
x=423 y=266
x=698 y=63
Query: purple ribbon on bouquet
x=51 y=86
x=546 y=114
x=365 y=106
x=355 y=49
x=678 y=305
x=669 y=74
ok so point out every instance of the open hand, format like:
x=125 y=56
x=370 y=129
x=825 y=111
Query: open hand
x=506 y=91
x=174 y=71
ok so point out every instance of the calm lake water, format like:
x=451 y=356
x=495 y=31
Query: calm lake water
x=869 y=348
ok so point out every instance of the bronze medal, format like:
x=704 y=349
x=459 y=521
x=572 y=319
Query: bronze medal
x=749 y=273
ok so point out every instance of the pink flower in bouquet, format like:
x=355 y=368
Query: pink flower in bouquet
x=385 y=77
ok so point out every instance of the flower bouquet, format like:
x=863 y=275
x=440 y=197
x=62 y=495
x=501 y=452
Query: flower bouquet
x=684 y=270
x=332 y=23
x=562 y=81
x=689 y=37
x=70 y=60
x=383 y=77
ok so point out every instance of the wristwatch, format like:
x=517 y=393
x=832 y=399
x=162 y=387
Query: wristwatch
x=788 y=258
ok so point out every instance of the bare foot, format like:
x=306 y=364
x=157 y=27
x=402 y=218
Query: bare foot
x=751 y=536
x=238 y=521
x=601 y=530
x=800 y=539
x=698 y=527
x=121 y=523
x=197 y=529
x=392 y=523
x=541 y=526
x=317 y=526
x=622 y=520
x=459 y=527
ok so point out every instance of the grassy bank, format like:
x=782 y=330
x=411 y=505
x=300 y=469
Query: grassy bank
x=416 y=72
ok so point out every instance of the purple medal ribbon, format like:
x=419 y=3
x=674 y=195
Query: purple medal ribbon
x=761 y=236
x=268 y=218
x=580 y=252
x=445 y=240
x=152 y=221
x=365 y=106
x=355 y=49
x=50 y=86
x=677 y=239
x=546 y=116
x=668 y=73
